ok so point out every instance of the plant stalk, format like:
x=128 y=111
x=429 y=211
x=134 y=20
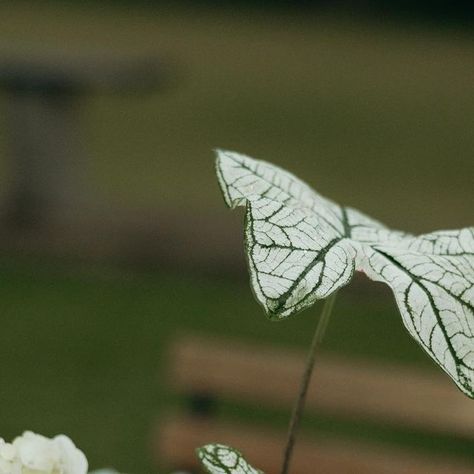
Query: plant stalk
x=300 y=401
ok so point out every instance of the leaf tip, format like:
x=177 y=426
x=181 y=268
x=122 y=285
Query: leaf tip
x=221 y=157
x=221 y=154
x=200 y=451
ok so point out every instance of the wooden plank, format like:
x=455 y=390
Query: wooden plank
x=59 y=71
x=176 y=439
x=350 y=388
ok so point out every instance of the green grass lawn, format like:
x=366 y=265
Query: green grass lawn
x=83 y=352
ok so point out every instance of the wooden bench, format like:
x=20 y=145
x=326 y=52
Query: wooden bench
x=355 y=390
x=44 y=92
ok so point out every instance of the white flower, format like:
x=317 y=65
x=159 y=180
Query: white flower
x=8 y=464
x=35 y=454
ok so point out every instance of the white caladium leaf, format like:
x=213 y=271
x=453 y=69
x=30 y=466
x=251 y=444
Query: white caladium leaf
x=302 y=247
x=221 y=459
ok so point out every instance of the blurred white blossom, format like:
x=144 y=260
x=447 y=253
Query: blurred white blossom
x=35 y=454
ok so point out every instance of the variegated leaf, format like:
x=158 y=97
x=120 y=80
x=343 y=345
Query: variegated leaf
x=302 y=247
x=221 y=459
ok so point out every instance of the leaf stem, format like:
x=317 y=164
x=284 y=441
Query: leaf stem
x=300 y=401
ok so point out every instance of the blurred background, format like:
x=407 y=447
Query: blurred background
x=114 y=239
